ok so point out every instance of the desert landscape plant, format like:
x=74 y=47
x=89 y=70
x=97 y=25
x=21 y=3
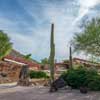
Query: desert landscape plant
x=82 y=77
x=38 y=74
x=88 y=40
x=52 y=53
x=5 y=44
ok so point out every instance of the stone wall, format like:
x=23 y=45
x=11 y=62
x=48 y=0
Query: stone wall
x=9 y=72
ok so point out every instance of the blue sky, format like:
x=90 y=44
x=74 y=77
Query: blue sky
x=28 y=22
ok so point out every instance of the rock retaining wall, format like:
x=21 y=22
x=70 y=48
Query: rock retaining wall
x=9 y=72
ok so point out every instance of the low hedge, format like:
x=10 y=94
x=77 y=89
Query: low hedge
x=38 y=74
x=82 y=76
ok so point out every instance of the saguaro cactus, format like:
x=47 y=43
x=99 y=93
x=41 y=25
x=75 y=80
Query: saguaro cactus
x=52 y=53
x=24 y=76
x=70 y=57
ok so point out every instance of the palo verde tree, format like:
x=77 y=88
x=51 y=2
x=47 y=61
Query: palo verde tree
x=5 y=44
x=52 y=53
x=88 y=40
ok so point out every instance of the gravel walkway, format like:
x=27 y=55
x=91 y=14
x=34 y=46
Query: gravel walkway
x=41 y=93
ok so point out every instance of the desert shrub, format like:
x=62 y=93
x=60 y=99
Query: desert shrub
x=64 y=76
x=76 y=77
x=94 y=84
x=91 y=74
x=82 y=76
x=38 y=74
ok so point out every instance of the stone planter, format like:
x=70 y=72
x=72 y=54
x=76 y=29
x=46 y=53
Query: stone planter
x=24 y=82
x=83 y=90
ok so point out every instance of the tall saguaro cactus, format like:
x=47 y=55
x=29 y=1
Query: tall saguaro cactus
x=52 y=53
x=70 y=57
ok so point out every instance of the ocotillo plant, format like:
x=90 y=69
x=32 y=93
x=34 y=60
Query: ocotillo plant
x=52 y=53
x=70 y=57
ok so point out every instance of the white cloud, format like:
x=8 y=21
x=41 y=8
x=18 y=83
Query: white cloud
x=37 y=42
x=85 y=7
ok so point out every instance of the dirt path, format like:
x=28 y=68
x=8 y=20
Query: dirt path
x=36 y=93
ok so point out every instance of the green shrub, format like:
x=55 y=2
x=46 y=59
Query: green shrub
x=91 y=74
x=38 y=74
x=64 y=76
x=82 y=76
x=76 y=77
x=95 y=83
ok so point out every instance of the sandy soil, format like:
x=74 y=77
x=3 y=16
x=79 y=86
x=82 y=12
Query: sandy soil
x=41 y=93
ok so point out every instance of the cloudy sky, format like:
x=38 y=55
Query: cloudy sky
x=28 y=22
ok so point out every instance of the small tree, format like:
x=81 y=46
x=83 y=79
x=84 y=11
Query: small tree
x=88 y=40
x=5 y=44
x=44 y=62
x=28 y=56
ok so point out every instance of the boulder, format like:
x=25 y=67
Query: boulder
x=57 y=84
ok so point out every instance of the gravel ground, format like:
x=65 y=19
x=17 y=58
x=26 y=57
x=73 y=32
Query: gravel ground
x=41 y=93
